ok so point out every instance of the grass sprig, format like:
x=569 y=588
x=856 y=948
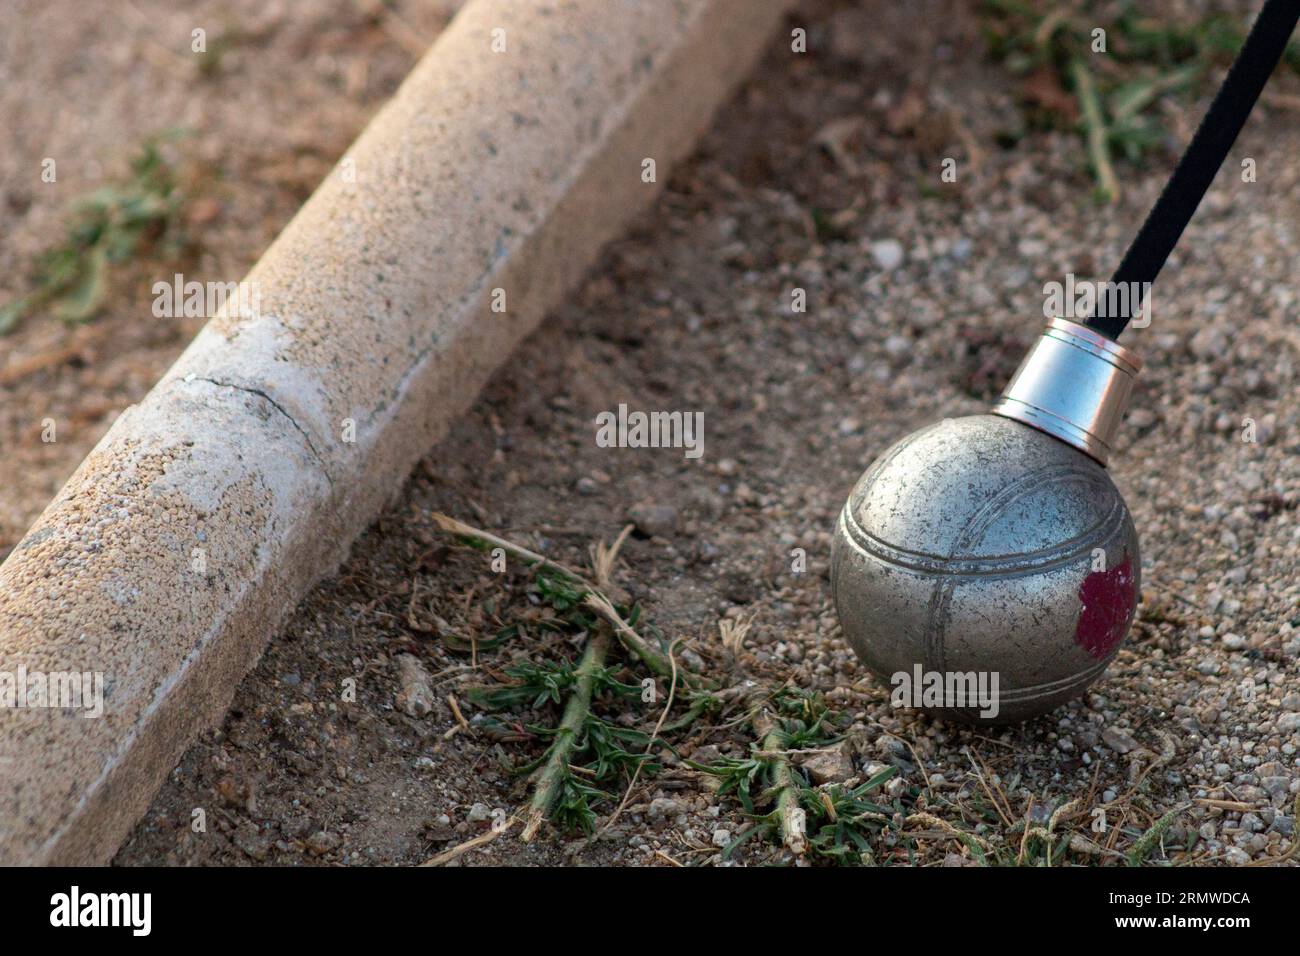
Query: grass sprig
x=108 y=227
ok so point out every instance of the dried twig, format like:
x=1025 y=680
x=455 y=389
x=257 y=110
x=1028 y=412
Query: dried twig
x=793 y=823
x=790 y=815
x=456 y=852
x=997 y=804
x=531 y=558
x=1291 y=851
x=1024 y=837
x=660 y=663
x=654 y=736
x=406 y=35
x=1081 y=844
x=603 y=558
x=597 y=598
x=732 y=631
x=970 y=840
x=550 y=776
x=1224 y=804
x=461 y=722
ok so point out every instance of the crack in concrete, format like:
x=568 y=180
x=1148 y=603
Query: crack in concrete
x=320 y=460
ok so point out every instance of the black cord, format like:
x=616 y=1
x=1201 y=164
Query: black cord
x=1249 y=72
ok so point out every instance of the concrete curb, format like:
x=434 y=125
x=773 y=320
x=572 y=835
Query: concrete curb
x=209 y=509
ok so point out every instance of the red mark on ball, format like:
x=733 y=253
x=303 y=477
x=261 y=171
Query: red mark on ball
x=1108 y=600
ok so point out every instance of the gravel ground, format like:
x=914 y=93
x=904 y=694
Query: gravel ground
x=823 y=174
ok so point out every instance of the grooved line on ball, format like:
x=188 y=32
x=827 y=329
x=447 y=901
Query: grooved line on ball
x=941 y=597
x=1009 y=565
x=1033 y=692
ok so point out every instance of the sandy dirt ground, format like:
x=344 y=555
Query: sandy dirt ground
x=281 y=89
x=821 y=175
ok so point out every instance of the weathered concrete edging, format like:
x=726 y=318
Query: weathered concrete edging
x=207 y=511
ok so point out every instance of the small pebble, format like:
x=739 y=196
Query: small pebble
x=888 y=254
